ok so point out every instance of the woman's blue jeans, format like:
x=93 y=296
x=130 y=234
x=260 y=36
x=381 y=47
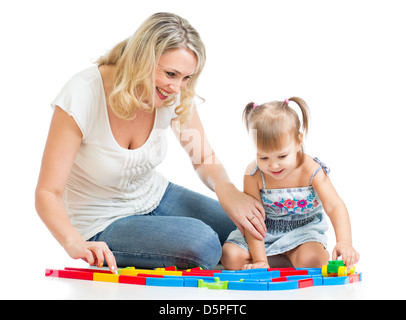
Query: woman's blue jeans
x=187 y=229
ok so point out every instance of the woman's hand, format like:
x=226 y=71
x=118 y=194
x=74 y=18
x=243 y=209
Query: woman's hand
x=245 y=211
x=93 y=253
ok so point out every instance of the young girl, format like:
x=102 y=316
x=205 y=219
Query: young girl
x=294 y=189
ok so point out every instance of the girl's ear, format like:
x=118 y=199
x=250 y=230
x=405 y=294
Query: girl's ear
x=300 y=140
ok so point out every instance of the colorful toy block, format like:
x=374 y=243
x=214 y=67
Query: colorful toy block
x=166 y=282
x=248 y=285
x=335 y=281
x=105 y=277
x=337 y=268
x=216 y=284
x=354 y=278
x=317 y=280
x=133 y=272
x=132 y=280
x=265 y=275
x=69 y=274
x=305 y=283
x=233 y=276
x=255 y=279
x=283 y=285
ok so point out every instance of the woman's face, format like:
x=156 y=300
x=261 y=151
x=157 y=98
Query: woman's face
x=175 y=68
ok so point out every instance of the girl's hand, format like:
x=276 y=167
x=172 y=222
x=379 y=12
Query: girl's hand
x=93 y=253
x=349 y=254
x=257 y=265
x=245 y=211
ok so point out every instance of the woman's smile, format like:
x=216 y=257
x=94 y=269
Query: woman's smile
x=162 y=94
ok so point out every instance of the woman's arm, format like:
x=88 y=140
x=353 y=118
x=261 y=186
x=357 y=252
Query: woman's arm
x=238 y=205
x=335 y=208
x=63 y=142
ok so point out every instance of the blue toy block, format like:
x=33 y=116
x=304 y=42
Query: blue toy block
x=311 y=271
x=232 y=276
x=248 y=285
x=285 y=285
x=335 y=281
x=192 y=281
x=166 y=282
x=265 y=275
x=317 y=281
x=252 y=270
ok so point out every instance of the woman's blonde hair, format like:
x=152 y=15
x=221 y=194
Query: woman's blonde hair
x=136 y=60
x=272 y=121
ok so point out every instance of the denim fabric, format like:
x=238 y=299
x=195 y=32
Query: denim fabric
x=187 y=229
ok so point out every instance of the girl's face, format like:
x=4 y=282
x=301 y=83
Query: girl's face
x=280 y=163
x=175 y=68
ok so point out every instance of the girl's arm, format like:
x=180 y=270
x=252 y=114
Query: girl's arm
x=238 y=205
x=256 y=246
x=335 y=208
x=63 y=142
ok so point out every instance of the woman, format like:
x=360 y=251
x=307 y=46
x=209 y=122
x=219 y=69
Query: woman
x=98 y=191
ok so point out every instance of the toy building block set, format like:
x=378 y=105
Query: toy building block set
x=271 y=279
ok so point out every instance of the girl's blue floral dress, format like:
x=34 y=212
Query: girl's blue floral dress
x=293 y=216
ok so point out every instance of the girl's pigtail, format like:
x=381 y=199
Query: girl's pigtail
x=305 y=112
x=247 y=110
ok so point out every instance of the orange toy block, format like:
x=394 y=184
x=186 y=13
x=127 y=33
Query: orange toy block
x=134 y=272
x=105 y=277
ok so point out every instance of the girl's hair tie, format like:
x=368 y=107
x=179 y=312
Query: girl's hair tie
x=287 y=101
x=255 y=106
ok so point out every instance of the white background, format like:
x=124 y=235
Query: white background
x=345 y=58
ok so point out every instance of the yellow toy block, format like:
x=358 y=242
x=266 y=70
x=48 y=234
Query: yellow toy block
x=134 y=272
x=169 y=273
x=105 y=277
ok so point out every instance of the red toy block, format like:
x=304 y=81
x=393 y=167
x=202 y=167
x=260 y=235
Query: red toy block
x=281 y=269
x=280 y=279
x=68 y=274
x=89 y=270
x=294 y=273
x=305 y=283
x=196 y=269
x=353 y=278
x=173 y=268
x=132 y=280
x=148 y=275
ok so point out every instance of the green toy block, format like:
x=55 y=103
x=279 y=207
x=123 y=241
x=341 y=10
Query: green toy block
x=217 y=284
x=333 y=266
x=337 y=268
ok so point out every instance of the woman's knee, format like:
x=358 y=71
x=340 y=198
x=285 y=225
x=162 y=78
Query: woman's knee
x=152 y=241
x=203 y=248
